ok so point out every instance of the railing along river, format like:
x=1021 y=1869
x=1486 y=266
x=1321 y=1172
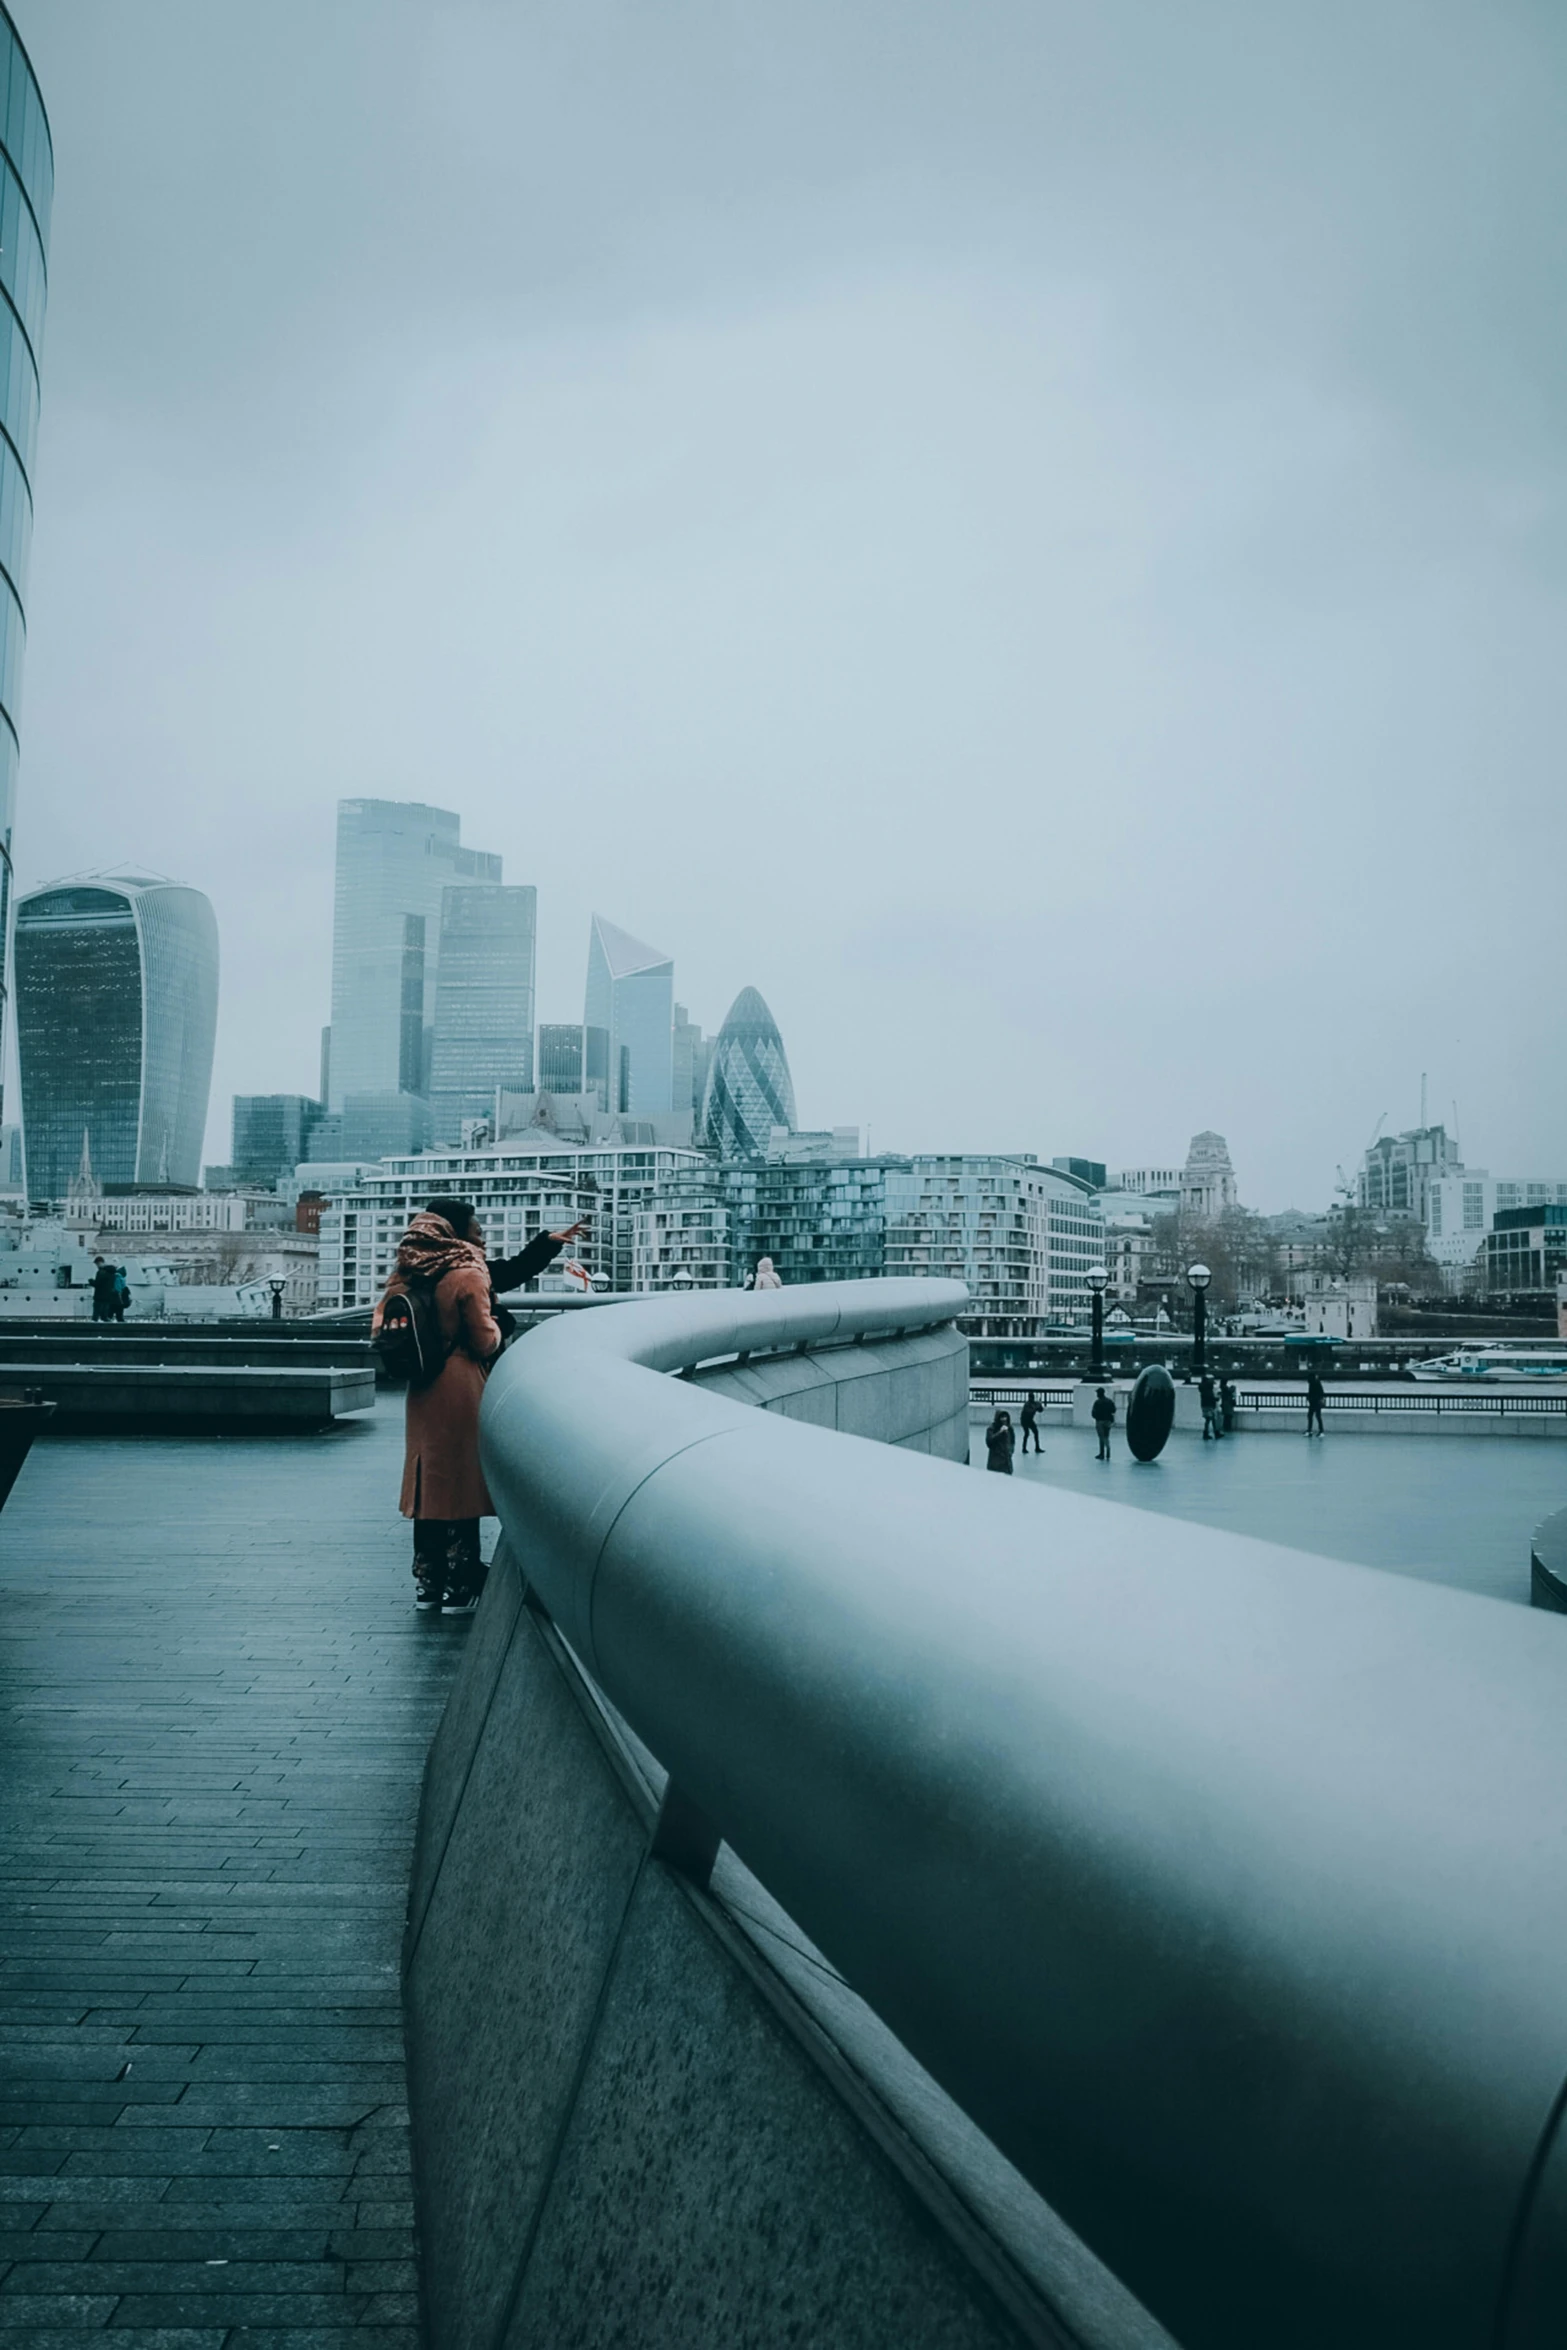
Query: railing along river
x=1224 y=1886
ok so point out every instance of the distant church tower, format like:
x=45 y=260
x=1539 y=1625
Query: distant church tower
x=1208 y=1179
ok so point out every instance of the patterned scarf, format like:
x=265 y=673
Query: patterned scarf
x=430 y=1249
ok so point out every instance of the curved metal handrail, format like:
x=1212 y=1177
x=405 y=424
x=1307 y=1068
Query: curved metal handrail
x=1223 y=1885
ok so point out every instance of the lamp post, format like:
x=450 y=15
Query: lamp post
x=277 y=1288
x=1098 y=1280
x=1198 y=1278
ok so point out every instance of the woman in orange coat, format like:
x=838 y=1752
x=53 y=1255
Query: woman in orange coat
x=443 y=1484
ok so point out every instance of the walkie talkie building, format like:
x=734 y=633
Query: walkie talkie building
x=116 y=1014
x=26 y=196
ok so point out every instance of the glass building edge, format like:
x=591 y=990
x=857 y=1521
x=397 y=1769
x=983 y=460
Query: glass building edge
x=27 y=148
x=116 y=1024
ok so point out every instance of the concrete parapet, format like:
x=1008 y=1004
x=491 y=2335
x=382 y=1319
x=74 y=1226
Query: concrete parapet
x=1548 y=1565
x=909 y=1391
x=647 y=2112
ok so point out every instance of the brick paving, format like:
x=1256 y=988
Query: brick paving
x=215 y=1701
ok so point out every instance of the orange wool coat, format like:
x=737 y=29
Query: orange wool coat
x=441 y=1473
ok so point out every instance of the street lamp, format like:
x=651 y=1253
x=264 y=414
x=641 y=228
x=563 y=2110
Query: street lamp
x=1098 y=1280
x=1198 y=1278
x=277 y=1288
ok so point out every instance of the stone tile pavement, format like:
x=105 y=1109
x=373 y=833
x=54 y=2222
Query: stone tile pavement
x=215 y=1701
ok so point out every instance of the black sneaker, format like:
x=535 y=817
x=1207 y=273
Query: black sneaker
x=459 y=1601
x=428 y=1597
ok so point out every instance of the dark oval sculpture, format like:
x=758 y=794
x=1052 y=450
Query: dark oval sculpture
x=1150 y=1412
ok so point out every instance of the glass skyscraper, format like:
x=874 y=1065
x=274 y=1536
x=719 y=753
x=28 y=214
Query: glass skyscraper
x=26 y=196
x=395 y=860
x=484 y=977
x=116 y=1012
x=749 y=1089
x=272 y=1135
x=631 y=996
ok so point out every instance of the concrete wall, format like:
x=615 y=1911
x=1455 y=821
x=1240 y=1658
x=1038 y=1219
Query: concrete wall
x=1548 y=1565
x=907 y=1391
x=645 y=2111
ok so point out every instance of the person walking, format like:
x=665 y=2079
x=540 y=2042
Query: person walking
x=102 y=1291
x=1030 y=1421
x=999 y=1440
x=1208 y=1396
x=767 y=1274
x=1104 y=1421
x=1227 y=1405
x=122 y=1294
x=1316 y=1394
x=441 y=1259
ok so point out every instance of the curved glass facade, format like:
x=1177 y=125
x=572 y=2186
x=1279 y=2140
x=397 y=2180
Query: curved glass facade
x=26 y=200
x=116 y=1015
x=749 y=1089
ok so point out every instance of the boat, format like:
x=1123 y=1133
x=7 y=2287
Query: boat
x=1496 y=1361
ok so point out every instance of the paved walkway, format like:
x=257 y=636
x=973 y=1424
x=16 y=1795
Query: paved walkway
x=215 y=1700
x=1450 y=1509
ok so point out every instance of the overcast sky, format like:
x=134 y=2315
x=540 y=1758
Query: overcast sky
x=1034 y=534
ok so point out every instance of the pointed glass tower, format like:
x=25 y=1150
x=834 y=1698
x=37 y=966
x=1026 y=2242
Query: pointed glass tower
x=631 y=999
x=749 y=1089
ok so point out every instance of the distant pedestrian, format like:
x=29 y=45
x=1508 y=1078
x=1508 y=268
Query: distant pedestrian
x=767 y=1274
x=1104 y=1421
x=1212 y=1416
x=1227 y=1405
x=102 y=1291
x=122 y=1294
x=999 y=1440
x=1030 y=1421
x=1316 y=1395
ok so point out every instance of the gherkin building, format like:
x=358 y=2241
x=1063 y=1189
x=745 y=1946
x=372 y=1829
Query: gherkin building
x=749 y=1089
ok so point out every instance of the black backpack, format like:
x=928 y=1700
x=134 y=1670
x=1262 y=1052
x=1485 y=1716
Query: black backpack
x=409 y=1344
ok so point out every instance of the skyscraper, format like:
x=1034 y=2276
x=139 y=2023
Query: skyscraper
x=749 y=1089
x=272 y=1133
x=560 y=1062
x=483 y=1033
x=631 y=995
x=26 y=196
x=116 y=1011
x=395 y=859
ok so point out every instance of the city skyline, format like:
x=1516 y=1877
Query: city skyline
x=1030 y=614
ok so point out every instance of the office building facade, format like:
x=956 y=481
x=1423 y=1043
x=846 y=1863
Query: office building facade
x=484 y=985
x=630 y=999
x=26 y=199
x=1397 y=1170
x=1461 y=1208
x=518 y=1190
x=1019 y=1236
x=116 y=1015
x=272 y=1134
x=750 y=1092
x=395 y=861
x=1526 y=1250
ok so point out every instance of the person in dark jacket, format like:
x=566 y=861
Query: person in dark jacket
x=122 y=1294
x=999 y=1440
x=444 y=1491
x=1104 y=1421
x=514 y=1272
x=1030 y=1421
x=1227 y=1405
x=102 y=1291
x=1208 y=1396
x=1315 y=1396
